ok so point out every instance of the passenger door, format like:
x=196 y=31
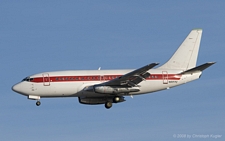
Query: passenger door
x=46 y=79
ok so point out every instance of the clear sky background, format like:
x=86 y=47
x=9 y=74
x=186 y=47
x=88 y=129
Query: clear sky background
x=39 y=36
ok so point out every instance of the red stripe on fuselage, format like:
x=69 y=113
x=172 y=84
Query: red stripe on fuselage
x=100 y=78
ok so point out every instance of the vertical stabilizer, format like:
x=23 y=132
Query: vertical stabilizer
x=186 y=55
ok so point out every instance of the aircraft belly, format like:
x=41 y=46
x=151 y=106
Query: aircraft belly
x=151 y=86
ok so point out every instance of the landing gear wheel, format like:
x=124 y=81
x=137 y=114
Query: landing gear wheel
x=108 y=105
x=38 y=103
x=116 y=99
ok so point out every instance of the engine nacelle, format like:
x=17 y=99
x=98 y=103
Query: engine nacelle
x=98 y=100
x=92 y=101
x=114 y=90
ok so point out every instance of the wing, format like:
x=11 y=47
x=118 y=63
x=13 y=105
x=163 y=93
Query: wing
x=131 y=79
x=122 y=84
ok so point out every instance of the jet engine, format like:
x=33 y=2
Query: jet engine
x=114 y=90
x=99 y=100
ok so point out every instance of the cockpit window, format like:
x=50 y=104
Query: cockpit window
x=25 y=79
x=28 y=79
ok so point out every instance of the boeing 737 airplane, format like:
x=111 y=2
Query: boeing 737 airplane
x=110 y=86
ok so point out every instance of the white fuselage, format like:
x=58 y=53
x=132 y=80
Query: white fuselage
x=73 y=83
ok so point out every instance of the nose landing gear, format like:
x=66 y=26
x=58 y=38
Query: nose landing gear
x=38 y=103
x=35 y=97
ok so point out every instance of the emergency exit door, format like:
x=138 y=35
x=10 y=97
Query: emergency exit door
x=165 y=77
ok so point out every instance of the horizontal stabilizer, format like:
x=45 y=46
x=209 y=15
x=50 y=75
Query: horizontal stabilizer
x=199 y=68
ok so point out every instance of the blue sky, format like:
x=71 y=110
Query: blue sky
x=38 y=36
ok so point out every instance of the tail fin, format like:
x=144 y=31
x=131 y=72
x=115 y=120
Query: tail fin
x=186 y=55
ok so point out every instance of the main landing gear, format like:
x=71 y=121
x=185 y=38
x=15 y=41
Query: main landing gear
x=109 y=104
x=38 y=103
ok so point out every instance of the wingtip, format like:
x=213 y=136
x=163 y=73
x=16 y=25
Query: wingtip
x=212 y=63
x=156 y=63
x=153 y=64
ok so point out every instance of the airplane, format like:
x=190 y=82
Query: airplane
x=111 y=86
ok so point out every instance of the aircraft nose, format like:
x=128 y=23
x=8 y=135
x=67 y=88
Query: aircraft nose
x=16 y=88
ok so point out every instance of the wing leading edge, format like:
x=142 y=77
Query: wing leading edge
x=131 y=79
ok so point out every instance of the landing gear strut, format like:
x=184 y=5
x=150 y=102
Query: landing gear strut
x=108 y=105
x=38 y=103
